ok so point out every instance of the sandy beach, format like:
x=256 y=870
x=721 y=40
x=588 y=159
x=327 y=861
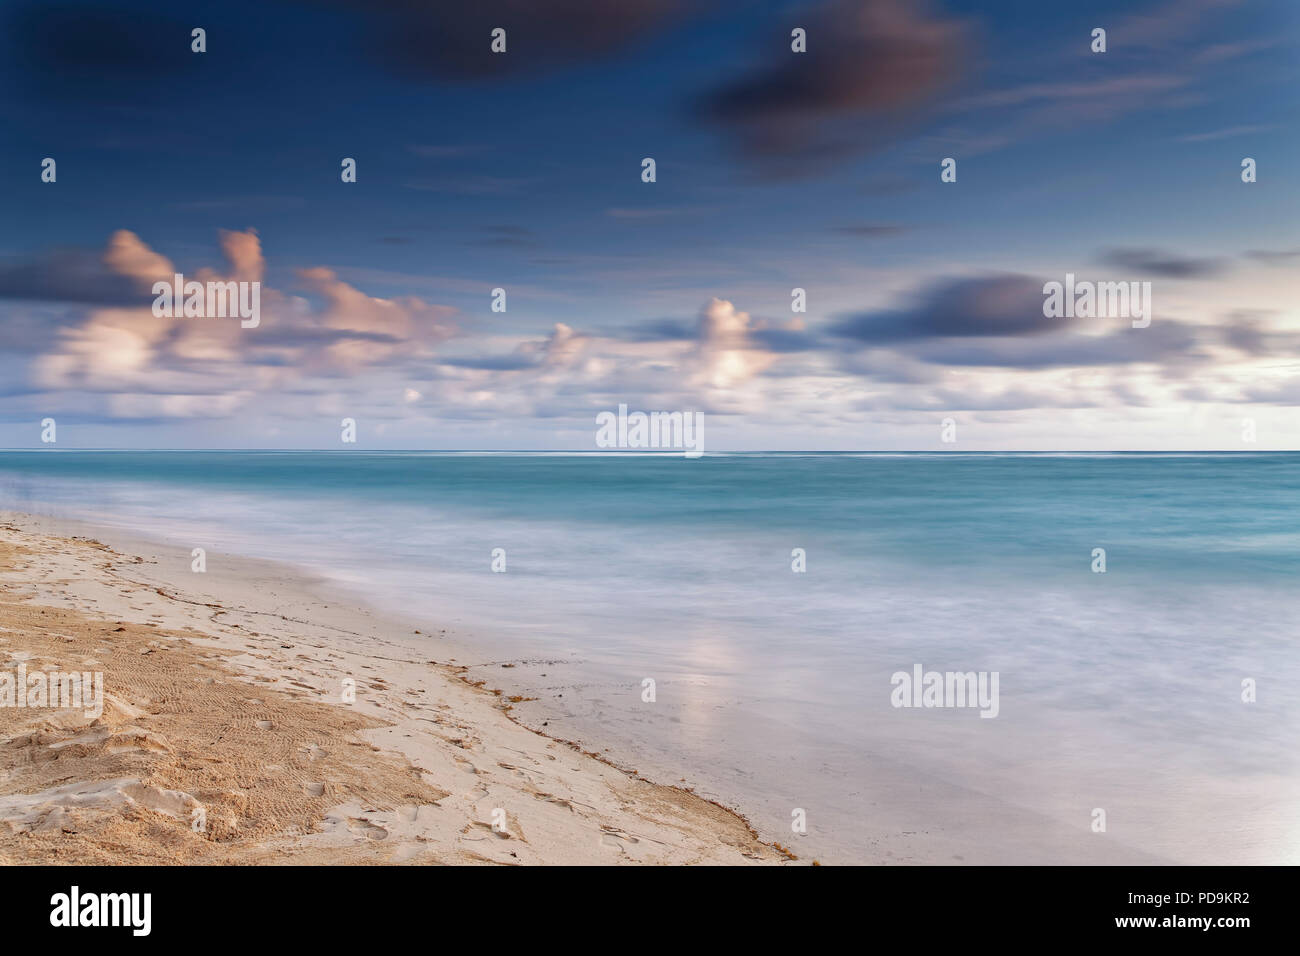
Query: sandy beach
x=245 y=721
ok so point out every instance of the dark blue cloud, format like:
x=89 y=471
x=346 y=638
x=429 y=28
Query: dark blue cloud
x=1155 y=263
x=866 y=60
x=69 y=275
x=968 y=307
x=441 y=40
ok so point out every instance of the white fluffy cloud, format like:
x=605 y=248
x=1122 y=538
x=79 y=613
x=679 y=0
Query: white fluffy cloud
x=326 y=348
x=198 y=367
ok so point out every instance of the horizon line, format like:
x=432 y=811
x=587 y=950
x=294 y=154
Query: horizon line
x=678 y=453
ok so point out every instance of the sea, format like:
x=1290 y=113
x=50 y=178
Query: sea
x=748 y=624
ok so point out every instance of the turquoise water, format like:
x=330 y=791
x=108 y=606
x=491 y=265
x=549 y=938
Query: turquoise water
x=773 y=687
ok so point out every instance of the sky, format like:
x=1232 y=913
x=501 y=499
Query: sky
x=775 y=170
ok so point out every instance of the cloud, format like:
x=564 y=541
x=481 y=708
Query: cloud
x=1094 y=94
x=126 y=255
x=1278 y=393
x=997 y=322
x=151 y=367
x=243 y=250
x=867 y=60
x=1153 y=63
x=563 y=347
x=1162 y=342
x=1000 y=305
x=870 y=230
x=123 y=274
x=793 y=338
x=78 y=275
x=713 y=363
x=371 y=331
x=493 y=363
x=660 y=330
x=1225 y=133
x=324 y=345
x=469 y=185
x=726 y=353
x=653 y=212
x=1159 y=26
x=452 y=40
x=1253 y=333
x=1165 y=265
x=1270 y=257
x=507 y=237
x=95 y=52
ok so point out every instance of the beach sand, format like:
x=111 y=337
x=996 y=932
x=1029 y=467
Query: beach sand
x=226 y=736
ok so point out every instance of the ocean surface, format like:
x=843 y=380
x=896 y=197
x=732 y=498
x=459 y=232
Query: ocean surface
x=1120 y=691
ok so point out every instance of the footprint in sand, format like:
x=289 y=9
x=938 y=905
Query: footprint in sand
x=615 y=839
x=314 y=789
x=363 y=827
x=264 y=725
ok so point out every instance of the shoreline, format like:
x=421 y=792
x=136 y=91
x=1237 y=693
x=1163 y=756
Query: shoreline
x=251 y=623
x=907 y=813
